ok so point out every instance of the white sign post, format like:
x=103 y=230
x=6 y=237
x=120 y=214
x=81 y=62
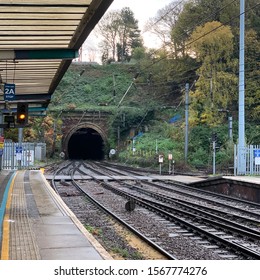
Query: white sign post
x=160 y=163
x=170 y=159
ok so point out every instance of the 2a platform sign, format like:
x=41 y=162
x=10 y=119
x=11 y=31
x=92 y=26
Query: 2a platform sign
x=9 y=92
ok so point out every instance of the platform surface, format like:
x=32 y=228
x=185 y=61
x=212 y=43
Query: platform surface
x=37 y=225
x=247 y=179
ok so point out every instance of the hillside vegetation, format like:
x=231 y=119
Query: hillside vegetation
x=156 y=113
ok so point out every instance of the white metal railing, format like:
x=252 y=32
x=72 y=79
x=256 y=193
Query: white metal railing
x=22 y=155
x=251 y=156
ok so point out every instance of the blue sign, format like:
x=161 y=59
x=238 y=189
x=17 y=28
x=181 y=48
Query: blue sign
x=9 y=91
x=19 y=150
x=140 y=134
x=256 y=153
x=175 y=119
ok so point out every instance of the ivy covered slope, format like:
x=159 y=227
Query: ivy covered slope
x=100 y=87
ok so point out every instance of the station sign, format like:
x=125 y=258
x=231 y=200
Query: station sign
x=256 y=153
x=9 y=92
x=18 y=151
x=160 y=159
x=257 y=157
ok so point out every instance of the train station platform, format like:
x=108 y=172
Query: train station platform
x=37 y=225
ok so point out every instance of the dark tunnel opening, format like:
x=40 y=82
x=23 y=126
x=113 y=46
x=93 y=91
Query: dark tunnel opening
x=86 y=143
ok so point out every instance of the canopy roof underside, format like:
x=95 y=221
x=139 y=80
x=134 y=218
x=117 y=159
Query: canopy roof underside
x=56 y=29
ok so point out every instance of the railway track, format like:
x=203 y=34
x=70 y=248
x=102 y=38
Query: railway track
x=177 y=221
x=233 y=206
x=75 y=190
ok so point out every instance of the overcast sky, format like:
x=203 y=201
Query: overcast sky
x=142 y=9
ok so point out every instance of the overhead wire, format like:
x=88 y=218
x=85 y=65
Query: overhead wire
x=209 y=32
x=167 y=13
x=163 y=16
x=205 y=34
x=196 y=24
x=210 y=16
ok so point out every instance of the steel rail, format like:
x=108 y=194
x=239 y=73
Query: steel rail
x=235 y=247
x=175 y=183
x=195 y=208
x=128 y=226
x=248 y=253
x=232 y=199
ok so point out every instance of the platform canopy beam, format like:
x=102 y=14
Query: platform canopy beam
x=38 y=54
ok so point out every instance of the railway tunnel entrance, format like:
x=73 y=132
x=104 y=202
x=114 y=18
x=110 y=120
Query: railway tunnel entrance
x=86 y=143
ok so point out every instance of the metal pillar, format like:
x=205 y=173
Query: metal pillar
x=1 y=122
x=20 y=139
x=118 y=138
x=186 y=122
x=214 y=157
x=230 y=128
x=241 y=101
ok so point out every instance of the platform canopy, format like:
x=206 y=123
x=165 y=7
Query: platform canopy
x=38 y=41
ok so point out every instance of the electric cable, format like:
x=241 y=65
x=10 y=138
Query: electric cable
x=204 y=35
x=202 y=21
x=163 y=16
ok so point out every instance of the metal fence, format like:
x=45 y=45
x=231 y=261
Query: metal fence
x=22 y=155
x=251 y=157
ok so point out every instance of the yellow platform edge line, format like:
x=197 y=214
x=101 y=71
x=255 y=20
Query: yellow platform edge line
x=6 y=222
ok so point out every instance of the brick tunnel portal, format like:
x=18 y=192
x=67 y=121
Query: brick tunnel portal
x=86 y=143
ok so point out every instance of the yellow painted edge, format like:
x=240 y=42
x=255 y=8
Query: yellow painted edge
x=5 y=238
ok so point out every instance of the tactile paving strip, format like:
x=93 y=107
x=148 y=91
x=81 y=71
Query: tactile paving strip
x=22 y=244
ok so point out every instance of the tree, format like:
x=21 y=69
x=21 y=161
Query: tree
x=129 y=35
x=164 y=21
x=121 y=35
x=252 y=73
x=197 y=13
x=139 y=53
x=212 y=44
x=108 y=28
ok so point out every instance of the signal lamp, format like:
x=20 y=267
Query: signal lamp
x=22 y=113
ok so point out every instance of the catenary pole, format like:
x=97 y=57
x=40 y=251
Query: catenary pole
x=241 y=100
x=186 y=122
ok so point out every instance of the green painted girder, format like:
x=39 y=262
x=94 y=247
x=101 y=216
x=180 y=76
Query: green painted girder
x=39 y=54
